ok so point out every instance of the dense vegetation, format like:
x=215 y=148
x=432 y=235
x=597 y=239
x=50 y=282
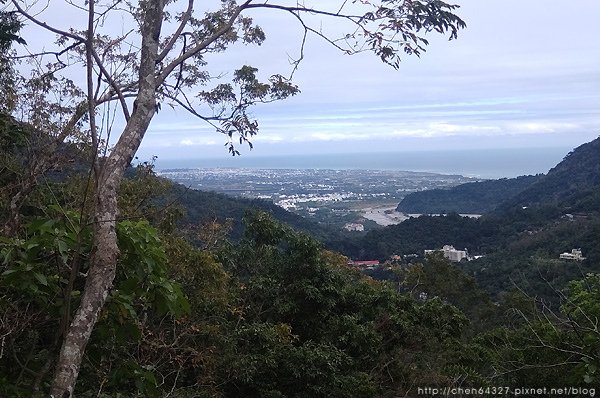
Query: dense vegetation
x=203 y=207
x=572 y=185
x=472 y=198
x=521 y=239
x=417 y=234
x=196 y=312
x=269 y=312
x=272 y=314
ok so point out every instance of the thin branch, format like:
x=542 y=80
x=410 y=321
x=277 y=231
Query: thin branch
x=57 y=54
x=45 y=25
x=184 y=20
x=313 y=11
x=201 y=46
x=189 y=107
x=108 y=9
x=113 y=84
x=90 y=77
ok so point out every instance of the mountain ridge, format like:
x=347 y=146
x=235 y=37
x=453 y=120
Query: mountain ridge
x=471 y=198
x=571 y=184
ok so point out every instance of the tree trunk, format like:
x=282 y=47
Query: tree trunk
x=98 y=283
x=106 y=251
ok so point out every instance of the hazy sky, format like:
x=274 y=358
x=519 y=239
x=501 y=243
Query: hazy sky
x=523 y=73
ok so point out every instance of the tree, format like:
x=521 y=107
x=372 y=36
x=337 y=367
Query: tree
x=9 y=29
x=438 y=277
x=145 y=67
x=546 y=346
x=310 y=325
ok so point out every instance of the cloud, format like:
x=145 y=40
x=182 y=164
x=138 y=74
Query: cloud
x=270 y=138
x=532 y=85
x=541 y=127
x=200 y=141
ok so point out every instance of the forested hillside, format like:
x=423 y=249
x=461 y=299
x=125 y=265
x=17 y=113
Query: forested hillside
x=426 y=232
x=471 y=198
x=572 y=185
x=521 y=240
x=201 y=207
x=117 y=283
x=268 y=312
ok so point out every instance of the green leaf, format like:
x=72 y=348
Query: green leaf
x=9 y=271
x=63 y=247
x=41 y=278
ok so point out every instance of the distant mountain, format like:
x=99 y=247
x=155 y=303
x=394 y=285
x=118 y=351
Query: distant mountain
x=573 y=184
x=522 y=238
x=475 y=197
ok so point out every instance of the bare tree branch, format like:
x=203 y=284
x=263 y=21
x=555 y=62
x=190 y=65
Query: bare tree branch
x=202 y=45
x=45 y=25
x=184 y=20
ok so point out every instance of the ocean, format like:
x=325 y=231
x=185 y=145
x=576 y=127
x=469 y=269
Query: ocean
x=480 y=163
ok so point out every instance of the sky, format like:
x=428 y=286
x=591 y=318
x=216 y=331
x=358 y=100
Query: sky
x=524 y=73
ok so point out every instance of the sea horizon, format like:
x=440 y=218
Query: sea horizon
x=478 y=163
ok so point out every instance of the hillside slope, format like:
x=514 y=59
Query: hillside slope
x=573 y=183
x=204 y=207
x=475 y=198
x=521 y=239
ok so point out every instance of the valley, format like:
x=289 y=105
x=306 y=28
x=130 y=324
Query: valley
x=210 y=200
x=332 y=197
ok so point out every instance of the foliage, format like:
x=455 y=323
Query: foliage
x=10 y=25
x=203 y=208
x=312 y=326
x=471 y=198
x=530 y=258
x=143 y=195
x=9 y=29
x=438 y=277
x=164 y=68
x=13 y=142
x=41 y=279
x=567 y=184
x=548 y=347
x=281 y=317
x=572 y=184
x=521 y=240
x=29 y=263
x=425 y=232
x=272 y=313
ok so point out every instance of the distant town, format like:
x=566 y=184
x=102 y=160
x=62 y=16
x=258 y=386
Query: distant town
x=353 y=200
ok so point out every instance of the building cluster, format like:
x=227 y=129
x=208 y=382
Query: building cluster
x=365 y=264
x=451 y=253
x=354 y=227
x=575 y=255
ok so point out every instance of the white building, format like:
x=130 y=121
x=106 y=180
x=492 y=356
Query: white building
x=574 y=255
x=451 y=253
x=354 y=227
